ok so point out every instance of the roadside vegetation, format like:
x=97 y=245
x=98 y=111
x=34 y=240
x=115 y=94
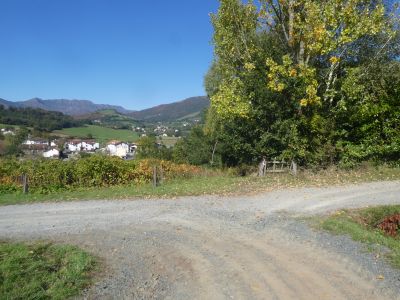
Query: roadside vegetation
x=184 y=180
x=93 y=171
x=43 y=271
x=378 y=227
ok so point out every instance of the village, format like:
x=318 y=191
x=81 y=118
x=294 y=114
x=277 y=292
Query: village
x=68 y=148
x=65 y=148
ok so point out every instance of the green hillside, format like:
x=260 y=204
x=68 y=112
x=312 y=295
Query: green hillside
x=173 y=111
x=109 y=118
x=102 y=134
x=36 y=118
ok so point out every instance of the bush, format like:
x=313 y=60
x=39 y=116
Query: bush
x=94 y=171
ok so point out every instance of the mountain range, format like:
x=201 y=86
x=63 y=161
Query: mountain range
x=166 y=112
x=67 y=107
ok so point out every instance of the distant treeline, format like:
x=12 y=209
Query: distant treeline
x=36 y=118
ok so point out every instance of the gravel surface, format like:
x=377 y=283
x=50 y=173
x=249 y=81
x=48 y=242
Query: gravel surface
x=211 y=247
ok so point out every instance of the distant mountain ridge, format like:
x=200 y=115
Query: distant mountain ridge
x=165 y=112
x=68 y=107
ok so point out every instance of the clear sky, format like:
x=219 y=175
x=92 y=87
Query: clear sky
x=132 y=53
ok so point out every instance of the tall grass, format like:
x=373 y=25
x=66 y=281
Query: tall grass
x=43 y=271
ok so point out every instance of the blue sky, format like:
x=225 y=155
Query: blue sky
x=124 y=52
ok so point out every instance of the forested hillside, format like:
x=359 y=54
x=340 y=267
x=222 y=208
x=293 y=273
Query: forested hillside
x=36 y=118
x=315 y=81
x=187 y=108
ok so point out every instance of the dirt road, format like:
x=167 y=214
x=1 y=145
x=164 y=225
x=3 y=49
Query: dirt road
x=248 y=247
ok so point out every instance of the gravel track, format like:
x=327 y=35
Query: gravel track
x=211 y=247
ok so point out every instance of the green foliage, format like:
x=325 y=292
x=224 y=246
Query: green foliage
x=369 y=112
x=36 y=118
x=13 y=142
x=307 y=80
x=148 y=147
x=43 y=271
x=196 y=149
x=94 y=171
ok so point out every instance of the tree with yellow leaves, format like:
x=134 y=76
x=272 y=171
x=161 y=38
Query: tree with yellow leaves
x=282 y=71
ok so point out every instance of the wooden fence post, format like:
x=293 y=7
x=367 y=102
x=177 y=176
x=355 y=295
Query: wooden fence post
x=161 y=175
x=293 y=168
x=25 y=183
x=154 y=176
x=262 y=167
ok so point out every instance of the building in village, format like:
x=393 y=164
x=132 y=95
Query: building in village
x=6 y=131
x=78 y=145
x=120 y=149
x=40 y=147
x=52 y=153
x=39 y=141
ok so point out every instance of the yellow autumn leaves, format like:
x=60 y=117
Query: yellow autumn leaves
x=315 y=30
x=231 y=100
x=282 y=76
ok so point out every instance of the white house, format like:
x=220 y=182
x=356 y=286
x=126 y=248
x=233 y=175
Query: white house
x=36 y=141
x=82 y=145
x=51 y=153
x=5 y=131
x=120 y=149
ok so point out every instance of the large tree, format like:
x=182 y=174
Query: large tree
x=281 y=69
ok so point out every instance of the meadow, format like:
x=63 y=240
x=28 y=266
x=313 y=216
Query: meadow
x=101 y=134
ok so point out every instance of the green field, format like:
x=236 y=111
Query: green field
x=8 y=126
x=101 y=134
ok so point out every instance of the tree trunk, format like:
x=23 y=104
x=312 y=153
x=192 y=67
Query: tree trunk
x=213 y=152
x=301 y=53
x=291 y=22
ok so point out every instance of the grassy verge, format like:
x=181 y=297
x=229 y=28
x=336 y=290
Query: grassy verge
x=43 y=271
x=173 y=188
x=361 y=225
x=214 y=184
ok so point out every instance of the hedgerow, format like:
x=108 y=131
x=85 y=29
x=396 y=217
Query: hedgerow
x=94 y=171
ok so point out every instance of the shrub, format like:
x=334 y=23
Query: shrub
x=391 y=225
x=94 y=171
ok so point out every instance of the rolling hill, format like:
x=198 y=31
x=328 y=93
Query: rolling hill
x=181 y=110
x=187 y=108
x=6 y=103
